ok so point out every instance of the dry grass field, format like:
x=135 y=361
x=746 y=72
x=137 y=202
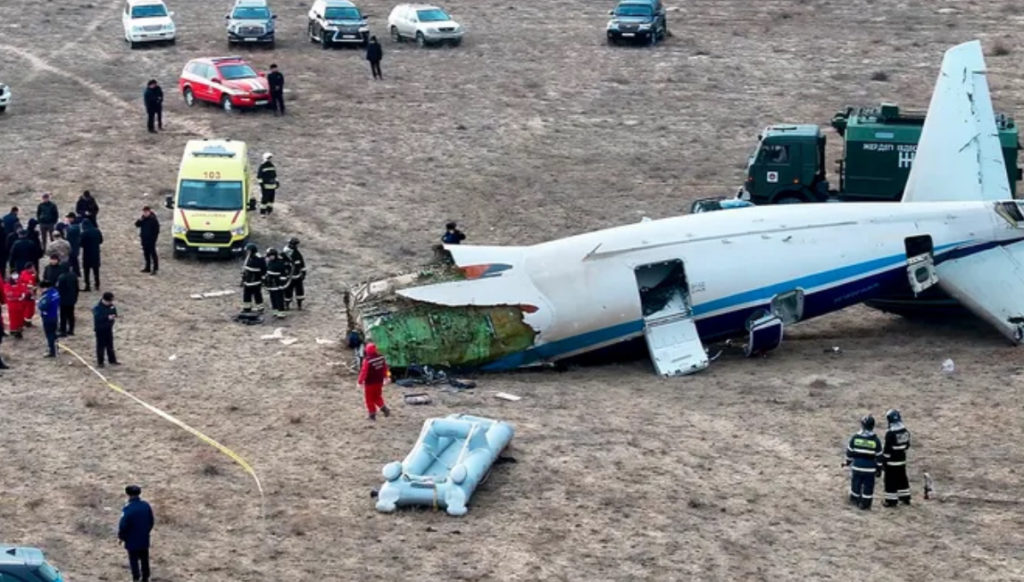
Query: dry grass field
x=532 y=129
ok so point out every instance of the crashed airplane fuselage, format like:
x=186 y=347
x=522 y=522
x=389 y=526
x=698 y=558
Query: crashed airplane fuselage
x=684 y=281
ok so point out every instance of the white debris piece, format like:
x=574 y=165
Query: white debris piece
x=948 y=367
x=172 y=358
x=278 y=334
x=325 y=342
x=507 y=396
x=219 y=293
x=289 y=340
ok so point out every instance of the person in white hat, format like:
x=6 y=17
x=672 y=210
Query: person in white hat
x=267 y=176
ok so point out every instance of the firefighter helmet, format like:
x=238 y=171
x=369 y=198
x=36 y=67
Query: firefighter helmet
x=868 y=422
x=893 y=416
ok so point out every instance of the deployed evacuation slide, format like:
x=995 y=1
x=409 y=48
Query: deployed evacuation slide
x=448 y=461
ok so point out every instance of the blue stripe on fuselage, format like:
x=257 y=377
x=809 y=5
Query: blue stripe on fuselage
x=732 y=323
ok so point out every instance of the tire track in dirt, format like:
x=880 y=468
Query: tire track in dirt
x=41 y=65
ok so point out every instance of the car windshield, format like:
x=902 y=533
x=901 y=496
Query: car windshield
x=633 y=10
x=48 y=573
x=432 y=15
x=149 y=11
x=251 y=13
x=342 y=13
x=231 y=72
x=210 y=195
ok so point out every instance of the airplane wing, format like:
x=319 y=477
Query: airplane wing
x=959 y=156
x=468 y=255
x=991 y=285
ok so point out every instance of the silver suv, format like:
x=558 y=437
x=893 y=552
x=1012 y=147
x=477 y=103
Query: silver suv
x=250 y=21
x=26 y=564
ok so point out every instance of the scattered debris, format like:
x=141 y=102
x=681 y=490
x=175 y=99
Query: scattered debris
x=428 y=376
x=172 y=358
x=210 y=294
x=948 y=367
x=833 y=350
x=417 y=398
x=507 y=396
x=928 y=489
x=325 y=342
x=278 y=334
x=289 y=340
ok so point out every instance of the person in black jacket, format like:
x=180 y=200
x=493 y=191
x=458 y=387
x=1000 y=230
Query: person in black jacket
x=134 y=529
x=22 y=252
x=374 y=54
x=67 y=286
x=279 y=273
x=53 y=270
x=87 y=207
x=276 y=81
x=149 y=231
x=153 y=97
x=104 y=315
x=452 y=235
x=33 y=237
x=73 y=233
x=296 y=286
x=92 y=238
x=47 y=215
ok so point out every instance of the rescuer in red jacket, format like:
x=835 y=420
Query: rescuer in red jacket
x=30 y=279
x=3 y=301
x=15 y=293
x=372 y=376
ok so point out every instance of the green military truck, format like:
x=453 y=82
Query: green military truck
x=879 y=143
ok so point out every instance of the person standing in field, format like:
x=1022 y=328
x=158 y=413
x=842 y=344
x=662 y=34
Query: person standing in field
x=374 y=54
x=49 y=310
x=134 y=532
x=47 y=215
x=372 y=376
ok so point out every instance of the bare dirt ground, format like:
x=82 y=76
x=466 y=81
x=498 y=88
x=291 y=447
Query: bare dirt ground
x=532 y=130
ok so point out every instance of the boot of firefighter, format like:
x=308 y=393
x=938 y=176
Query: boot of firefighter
x=298 y=304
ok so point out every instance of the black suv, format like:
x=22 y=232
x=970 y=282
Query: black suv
x=637 y=20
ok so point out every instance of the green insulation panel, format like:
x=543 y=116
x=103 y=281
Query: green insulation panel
x=449 y=336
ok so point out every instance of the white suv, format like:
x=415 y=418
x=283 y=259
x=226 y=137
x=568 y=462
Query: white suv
x=147 y=21
x=426 y=23
x=5 y=97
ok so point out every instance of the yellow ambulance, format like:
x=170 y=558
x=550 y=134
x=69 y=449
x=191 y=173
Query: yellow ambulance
x=211 y=202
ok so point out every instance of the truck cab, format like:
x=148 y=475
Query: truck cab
x=212 y=200
x=787 y=166
x=879 y=146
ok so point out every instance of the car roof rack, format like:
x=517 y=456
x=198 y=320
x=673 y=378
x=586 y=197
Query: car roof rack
x=222 y=59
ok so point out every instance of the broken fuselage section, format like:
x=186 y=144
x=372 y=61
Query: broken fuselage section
x=411 y=332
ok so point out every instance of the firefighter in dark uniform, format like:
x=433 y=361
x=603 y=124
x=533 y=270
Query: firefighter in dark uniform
x=296 y=286
x=267 y=175
x=894 y=455
x=864 y=456
x=278 y=275
x=253 y=272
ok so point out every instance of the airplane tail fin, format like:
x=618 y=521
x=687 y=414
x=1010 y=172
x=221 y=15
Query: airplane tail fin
x=959 y=157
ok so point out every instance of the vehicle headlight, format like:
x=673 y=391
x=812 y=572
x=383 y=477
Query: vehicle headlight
x=238 y=231
x=331 y=27
x=645 y=26
x=136 y=28
x=169 y=26
x=178 y=229
x=364 y=28
x=613 y=25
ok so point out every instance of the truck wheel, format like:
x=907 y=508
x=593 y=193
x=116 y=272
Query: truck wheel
x=325 y=42
x=309 y=31
x=190 y=99
x=394 y=34
x=420 y=40
x=225 y=104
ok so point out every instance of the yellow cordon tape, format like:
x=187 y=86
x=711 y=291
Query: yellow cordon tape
x=232 y=454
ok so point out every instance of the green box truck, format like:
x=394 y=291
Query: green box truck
x=879 y=143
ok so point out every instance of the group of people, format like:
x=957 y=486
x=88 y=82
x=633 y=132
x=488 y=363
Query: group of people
x=868 y=457
x=72 y=249
x=283 y=273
